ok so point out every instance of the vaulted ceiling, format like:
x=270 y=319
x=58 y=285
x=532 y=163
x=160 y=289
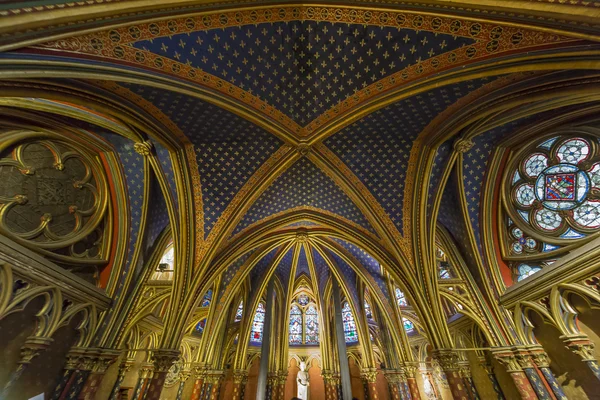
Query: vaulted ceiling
x=296 y=107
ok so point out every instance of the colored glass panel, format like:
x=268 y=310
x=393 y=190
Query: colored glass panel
x=408 y=325
x=200 y=326
x=400 y=298
x=350 y=334
x=239 y=312
x=206 y=299
x=256 y=333
x=368 y=312
x=295 y=331
x=311 y=331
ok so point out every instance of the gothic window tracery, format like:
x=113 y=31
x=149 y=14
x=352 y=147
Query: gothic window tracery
x=311 y=333
x=295 y=325
x=553 y=197
x=401 y=298
x=206 y=299
x=350 y=334
x=239 y=312
x=256 y=333
x=443 y=265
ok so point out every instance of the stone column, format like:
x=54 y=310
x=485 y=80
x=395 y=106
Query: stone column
x=163 y=359
x=393 y=379
x=369 y=377
x=272 y=386
x=583 y=347
x=411 y=388
x=144 y=375
x=542 y=362
x=239 y=384
x=124 y=368
x=535 y=379
x=32 y=348
x=331 y=385
x=467 y=377
x=261 y=389
x=448 y=360
x=341 y=343
x=183 y=377
x=281 y=380
x=507 y=358
x=199 y=374
x=212 y=385
x=489 y=369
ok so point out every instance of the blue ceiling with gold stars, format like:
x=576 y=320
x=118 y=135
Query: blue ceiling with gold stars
x=303 y=184
x=377 y=147
x=303 y=68
x=229 y=149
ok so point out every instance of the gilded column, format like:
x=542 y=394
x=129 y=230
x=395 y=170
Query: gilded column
x=124 y=368
x=411 y=389
x=281 y=380
x=183 y=377
x=583 y=347
x=448 y=360
x=331 y=385
x=467 y=377
x=535 y=379
x=489 y=369
x=144 y=375
x=369 y=377
x=393 y=380
x=507 y=358
x=199 y=374
x=31 y=349
x=542 y=362
x=212 y=385
x=272 y=386
x=162 y=360
x=239 y=384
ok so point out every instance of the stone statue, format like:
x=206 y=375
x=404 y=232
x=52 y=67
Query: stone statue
x=303 y=382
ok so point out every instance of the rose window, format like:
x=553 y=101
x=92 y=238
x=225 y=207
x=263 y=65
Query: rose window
x=555 y=189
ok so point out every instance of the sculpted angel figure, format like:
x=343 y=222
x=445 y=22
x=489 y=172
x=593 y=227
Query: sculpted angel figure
x=303 y=382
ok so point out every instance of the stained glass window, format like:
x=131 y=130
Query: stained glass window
x=525 y=270
x=408 y=325
x=303 y=300
x=239 y=312
x=349 y=326
x=168 y=257
x=311 y=331
x=368 y=312
x=400 y=298
x=200 y=326
x=295 y=331
x=553 y=186
x=206 y=299
x=442 y=263
x=257 y=324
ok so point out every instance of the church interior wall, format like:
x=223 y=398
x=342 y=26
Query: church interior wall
x=576 y=379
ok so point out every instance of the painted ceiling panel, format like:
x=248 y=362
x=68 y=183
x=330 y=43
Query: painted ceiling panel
x=440 y=162
x=233 y=269
x=302 y=265
x=454 y=222
x=133 y=170
x=158 y=217
x=167 y=166
x=377 y=147
x=368 y=262
x=229 y=149
x=285 y=267
x=305 y=67
x=322 y=271
x=303 y=184
x=348 y=274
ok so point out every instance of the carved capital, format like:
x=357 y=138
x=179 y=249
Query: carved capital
x=282 y=377
x=239 y=376
x=164 y=359
x=146 y=371
x=409 y=370
x=33 y=347
x=143 y=148
x=464 y=369
x=463 y=145
x=507 y=358
x=213 y=376
x=448 y=359
x=540 y=359
x=581 y=346
x=369 y=375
